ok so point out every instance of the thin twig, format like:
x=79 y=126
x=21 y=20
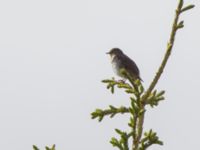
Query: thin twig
x=158 y=74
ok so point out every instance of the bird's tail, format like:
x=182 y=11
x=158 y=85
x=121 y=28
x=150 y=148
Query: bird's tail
x=140 y=79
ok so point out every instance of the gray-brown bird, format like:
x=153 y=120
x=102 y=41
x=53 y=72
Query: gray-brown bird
x=120 y=62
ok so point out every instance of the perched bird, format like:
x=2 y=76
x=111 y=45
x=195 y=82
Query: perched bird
x=120 y=62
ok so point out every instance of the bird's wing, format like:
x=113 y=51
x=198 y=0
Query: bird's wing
x=131 y=66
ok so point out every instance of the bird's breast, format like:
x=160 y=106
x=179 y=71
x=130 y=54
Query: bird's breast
x=116 y=66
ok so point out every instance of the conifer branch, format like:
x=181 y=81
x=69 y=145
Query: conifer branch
x=170 y=45
x=46 y=148
x=112 y=111
x=140 y=98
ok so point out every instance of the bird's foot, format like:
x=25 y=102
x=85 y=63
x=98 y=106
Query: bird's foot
x=122 y=81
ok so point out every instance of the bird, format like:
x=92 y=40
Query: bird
x=121 y=61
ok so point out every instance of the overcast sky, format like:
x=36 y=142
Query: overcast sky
x=52 y=59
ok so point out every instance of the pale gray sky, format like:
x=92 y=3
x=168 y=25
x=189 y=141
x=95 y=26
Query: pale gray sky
x=52 y=59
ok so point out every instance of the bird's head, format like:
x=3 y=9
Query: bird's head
x=115 y=52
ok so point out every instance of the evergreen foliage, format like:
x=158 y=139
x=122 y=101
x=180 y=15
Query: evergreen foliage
x=46 y=148
x=139 y=99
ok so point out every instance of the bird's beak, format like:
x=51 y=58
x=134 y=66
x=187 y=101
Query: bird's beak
x=108 y=53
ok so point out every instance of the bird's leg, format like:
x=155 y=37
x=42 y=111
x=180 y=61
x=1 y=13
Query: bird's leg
x=122 y=80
